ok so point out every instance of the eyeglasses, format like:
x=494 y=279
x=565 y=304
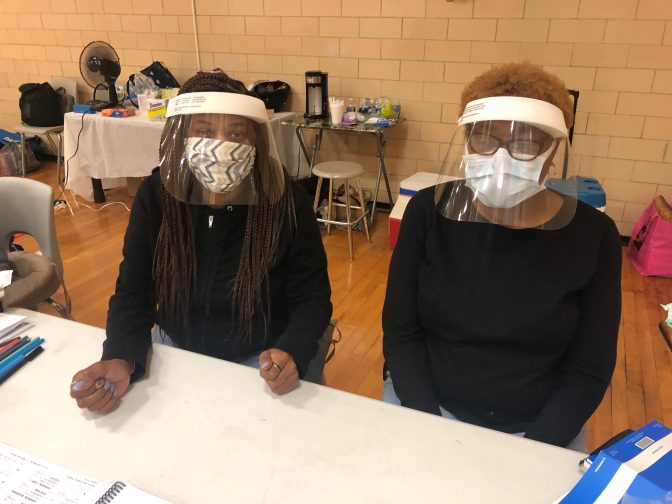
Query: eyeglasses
x=520 y=149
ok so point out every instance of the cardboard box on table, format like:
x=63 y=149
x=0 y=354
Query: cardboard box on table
x=636 y=469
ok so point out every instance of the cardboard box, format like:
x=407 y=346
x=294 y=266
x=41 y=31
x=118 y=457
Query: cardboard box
x=638 y=468
x=156 y=109
x=118 y=112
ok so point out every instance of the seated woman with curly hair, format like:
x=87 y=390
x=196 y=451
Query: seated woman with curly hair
x=503 y=298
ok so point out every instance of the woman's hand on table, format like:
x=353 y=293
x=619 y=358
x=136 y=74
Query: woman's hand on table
x=278 y=370
x=101 y=386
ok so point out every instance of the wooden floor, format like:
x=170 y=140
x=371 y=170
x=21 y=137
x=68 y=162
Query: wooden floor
x=641 y=389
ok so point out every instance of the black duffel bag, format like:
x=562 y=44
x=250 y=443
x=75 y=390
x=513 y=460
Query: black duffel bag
x=40 y=105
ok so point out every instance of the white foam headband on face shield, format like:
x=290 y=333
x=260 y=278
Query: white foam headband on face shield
x=217 y=102
x=545 y=116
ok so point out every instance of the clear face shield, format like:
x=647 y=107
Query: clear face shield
x=218 y=149
x=501 y=155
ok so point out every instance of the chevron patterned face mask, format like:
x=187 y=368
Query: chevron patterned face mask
x=220 y=166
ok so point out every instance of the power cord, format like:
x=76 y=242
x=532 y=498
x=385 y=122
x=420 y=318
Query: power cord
x=105 y=205
x=67 y=172
x=98 y=86
x=67 y=163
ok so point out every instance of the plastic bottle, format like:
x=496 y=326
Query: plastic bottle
x=376 y=108
x=350 y=115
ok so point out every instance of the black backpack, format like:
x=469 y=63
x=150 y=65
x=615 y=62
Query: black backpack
x=273 y=93
x=159 y=73
x=40 y=105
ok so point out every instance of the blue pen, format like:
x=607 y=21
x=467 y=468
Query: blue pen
x=24 y=350
x=10 y=370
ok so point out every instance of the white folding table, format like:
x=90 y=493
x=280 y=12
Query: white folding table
x=199 y=429
x=111 y=149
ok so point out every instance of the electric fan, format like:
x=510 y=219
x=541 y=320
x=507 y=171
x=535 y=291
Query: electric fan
x=99 y=66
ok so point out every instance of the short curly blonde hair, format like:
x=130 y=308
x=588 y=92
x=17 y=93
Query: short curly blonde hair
x=520 y=79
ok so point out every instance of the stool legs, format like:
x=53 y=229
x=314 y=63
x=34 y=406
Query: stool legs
x=362 y=208
x=316 y=203
x=349 y=222
x=348 y=218
x=330 y=205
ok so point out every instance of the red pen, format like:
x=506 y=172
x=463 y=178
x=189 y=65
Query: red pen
x=8 y=342
x=13 y=347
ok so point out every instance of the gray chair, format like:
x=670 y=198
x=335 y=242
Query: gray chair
x=70 y=86
x=27 y=206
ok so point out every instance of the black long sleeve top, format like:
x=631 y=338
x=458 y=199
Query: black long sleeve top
x=300 y=306
x=510 y=329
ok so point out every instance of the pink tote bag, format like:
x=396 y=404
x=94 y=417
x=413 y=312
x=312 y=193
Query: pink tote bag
x=650 y=246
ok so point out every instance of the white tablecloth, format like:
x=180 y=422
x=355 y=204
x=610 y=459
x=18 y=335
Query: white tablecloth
x=112 y=149
x=109 y=148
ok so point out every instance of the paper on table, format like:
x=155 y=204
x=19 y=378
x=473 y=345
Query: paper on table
x=5 y=278
x=8 y=323
x=15 y=331
x=27 y=479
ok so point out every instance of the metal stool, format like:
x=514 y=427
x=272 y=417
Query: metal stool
x=344 y=170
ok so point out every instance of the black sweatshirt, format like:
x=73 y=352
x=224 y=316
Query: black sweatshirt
x=510 y=329
x=300 y=306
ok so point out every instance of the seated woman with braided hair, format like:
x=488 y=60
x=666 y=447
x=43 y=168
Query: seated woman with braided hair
x=503 y=297
x=222 y=252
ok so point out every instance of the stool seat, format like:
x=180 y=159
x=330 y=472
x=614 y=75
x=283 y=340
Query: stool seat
x=338 y=170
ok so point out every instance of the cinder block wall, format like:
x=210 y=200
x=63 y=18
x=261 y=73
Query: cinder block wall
x=618 y=53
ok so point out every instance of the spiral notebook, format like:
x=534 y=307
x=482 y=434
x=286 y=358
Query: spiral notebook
x=27 y=479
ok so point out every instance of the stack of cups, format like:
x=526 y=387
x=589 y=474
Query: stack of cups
x=336 y=110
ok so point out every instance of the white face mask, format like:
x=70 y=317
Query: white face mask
x=500 y=181
x=220 y=166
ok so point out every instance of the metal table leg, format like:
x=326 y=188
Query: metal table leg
x=59 y=137
x=302 y=145
x=98 y=193
x=23 y=155
x=310 y=159
x=380 y=143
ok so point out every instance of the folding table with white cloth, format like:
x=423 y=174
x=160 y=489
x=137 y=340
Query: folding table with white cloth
x=111 y=149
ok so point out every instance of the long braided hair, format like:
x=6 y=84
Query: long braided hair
x=175 y=265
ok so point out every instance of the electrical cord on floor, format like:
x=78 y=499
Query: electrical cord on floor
x=106 y=205
x=67 y=172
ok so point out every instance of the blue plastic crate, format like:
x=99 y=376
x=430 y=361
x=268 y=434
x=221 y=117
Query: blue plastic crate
x=588 y=190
